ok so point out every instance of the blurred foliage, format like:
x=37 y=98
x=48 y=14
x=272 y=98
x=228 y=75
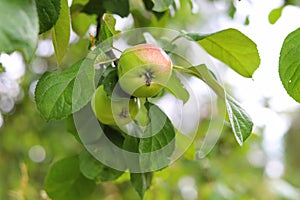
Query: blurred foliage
x=292 y=148
x=224 y=174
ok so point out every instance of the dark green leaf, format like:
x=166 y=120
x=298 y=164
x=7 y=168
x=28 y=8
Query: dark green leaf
x=141 y=182
x=114 y=136
x=61 y=32
x=110 y=79
x=275 y=14
x=120 y=7
x=82 y=2
x=58 y=95
x=2 y=69
x=161 y=5
x=71 y=128
x=93 y=7
x=158 y=143
x=95 y=170
x=107 y=27
x=289 y=64
x=233 y=48
x=131 y=144
x=19 y=27
x=240 y=121
x=65 y=182
x=103 y=148
x=175 y=87
x=48 y=12
x=292 y=2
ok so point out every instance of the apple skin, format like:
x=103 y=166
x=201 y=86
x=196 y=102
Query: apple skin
x=113 y=112
x=143 y=70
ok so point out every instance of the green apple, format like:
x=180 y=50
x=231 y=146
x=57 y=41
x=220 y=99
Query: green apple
x=143 y=70
x=113 y=111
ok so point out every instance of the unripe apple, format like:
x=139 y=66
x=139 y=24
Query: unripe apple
x=113 y=111
x=143 y=70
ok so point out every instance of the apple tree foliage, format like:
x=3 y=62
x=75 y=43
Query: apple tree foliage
x=77 y=176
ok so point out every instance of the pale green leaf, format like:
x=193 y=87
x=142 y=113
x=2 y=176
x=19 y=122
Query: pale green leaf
x=48 y=12
x=65 y=182
x=77 y=6
x=240 y=121
x=19 y=27
x=275 y=14
x=175 y=87
x=61 y=32
x=81 y=23
x=233 y=48
x=289 y=64
x=107 y=27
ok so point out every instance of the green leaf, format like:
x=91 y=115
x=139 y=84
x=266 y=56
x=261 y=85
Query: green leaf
x=48 y=12
x=142 y=17
x=175 y=87
x=233 y=48
x=275 y=14
x=158 y=143
x=95 y=170
x=120 y=7
x=247 y=21
x=292 y=2
x=161 y=5
x=131 y=144
x=71 y=128
x=141 y=182
x=2 y=69
x=289 y=65
x=65 y=182
x=77 y=6
x=61 y=32
x=240 y=121
x=107 y=27
x=110 y=79
x=93 y=7
x=81 y=23
x=57 y=96
x=19 y=27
